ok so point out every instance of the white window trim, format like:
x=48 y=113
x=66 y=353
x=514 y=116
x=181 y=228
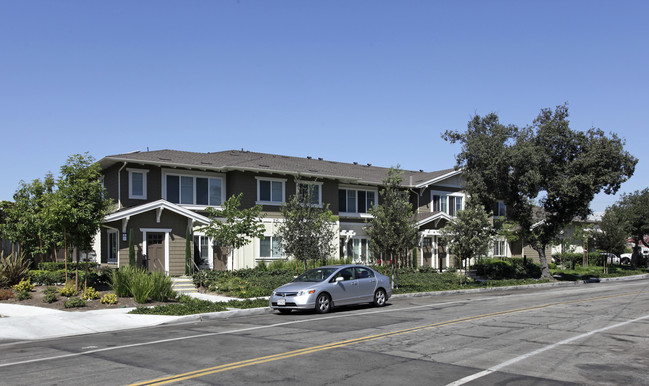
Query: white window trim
x=298 y=183
x=359 y=188
x=446 y=194
x=275 y=203
x=210 y=248
x=260 y=257
x=194 y=174
x=130 y=183
x=504 y=252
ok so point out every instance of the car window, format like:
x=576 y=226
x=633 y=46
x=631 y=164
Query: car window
x=315 y=275
x=364 y=273
x=346 y=274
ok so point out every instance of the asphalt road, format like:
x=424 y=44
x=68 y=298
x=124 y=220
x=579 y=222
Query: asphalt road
x=587 y=334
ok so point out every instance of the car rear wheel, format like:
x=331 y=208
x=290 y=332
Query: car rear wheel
x=323 y=304
x=379 y=297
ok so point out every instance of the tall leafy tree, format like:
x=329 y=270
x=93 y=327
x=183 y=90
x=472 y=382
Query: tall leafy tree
x=232 y=227
x=308 y=229
x=469 y=234
x=546 y=173
x=28 y=219
x=612 y=235
x=634 y=209
x=392 y=227
x=81 y=203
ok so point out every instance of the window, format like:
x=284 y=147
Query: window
x=355 y=201
x=271 y=246
x=358 y=249
x=112 y=247
x=500 y=248
x=201 y=250
x=310 y=188
x=194 y=190
x=449 y=203
x=137 y=184
x=270 y=191
x=501 y=209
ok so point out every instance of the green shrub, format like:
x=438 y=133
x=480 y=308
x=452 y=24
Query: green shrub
x=13 y=268
x=109 y=299
x=140 y=285
x=6 y=293
x=68 y=290
x=90 y=294
x=23 y=286
x=50 y=298
x=262 y=266
x=50 y=290
x=162 y=287
x=41 y=277
x=74 y=302
x=23 y=295
x=120 y=281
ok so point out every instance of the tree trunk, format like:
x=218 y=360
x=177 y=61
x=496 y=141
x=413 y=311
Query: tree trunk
x=393 y=272
x=65 y=255
x=545 y=270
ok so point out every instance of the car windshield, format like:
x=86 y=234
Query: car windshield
x=315 y=275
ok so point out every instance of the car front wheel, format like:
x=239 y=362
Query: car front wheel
x=379 y=297
x=323 y=304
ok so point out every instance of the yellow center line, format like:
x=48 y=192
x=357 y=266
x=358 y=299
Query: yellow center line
x=343 y=343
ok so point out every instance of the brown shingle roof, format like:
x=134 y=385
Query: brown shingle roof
x=247 y=160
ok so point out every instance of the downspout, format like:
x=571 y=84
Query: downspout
x=119 y=186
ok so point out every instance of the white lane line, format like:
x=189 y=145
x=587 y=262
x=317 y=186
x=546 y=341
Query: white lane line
x=535 y=352
x=63 y=356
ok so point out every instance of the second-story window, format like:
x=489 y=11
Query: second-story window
x=355 y=200
x=270 y=191
x=137 y=183
x=194 y=190
x=449 y=203
x=312 y=189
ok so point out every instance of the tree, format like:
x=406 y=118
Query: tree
x=468 y=235
x=81 y=203
x=28 y=220
x=392 y=227
x=131 y=249
x=232 y=227
x=307 y=231
x=612 y=235
x=188 y=252
x=547 y=174
x=634 y=209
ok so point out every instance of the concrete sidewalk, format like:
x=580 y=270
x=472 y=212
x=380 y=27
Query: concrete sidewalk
x=32 y=323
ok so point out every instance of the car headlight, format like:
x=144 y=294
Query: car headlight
x=306 y=292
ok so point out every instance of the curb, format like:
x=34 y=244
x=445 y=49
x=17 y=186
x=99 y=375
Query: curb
x=267 y=310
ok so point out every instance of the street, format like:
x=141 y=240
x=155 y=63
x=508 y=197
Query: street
x=584 y=334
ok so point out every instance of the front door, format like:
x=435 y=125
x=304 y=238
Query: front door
x=220 y=258
x=155 y=251
x=427 y=252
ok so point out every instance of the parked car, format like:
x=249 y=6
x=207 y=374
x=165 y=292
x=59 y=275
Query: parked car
x=323 y=288
x=611 y=258
x=625 y=258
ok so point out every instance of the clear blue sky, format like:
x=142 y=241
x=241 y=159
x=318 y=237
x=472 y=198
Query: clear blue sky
x=368 y=81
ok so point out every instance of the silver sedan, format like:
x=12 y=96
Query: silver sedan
x=335 y=285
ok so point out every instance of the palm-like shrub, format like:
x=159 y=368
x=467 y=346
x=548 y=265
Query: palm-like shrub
x=141 y=286
x=162 y=287
x=13 y=269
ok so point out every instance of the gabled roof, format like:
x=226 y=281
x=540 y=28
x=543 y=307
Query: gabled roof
x=232 y=160
x=156 y=205
x=426 y=217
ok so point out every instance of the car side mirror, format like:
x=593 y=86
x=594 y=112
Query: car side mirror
x=339 y=279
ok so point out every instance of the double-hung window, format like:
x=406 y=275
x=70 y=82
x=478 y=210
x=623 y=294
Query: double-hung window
x=270 y=191
x=445 y=202
x=270 y=247
x=137 y=183
x=500 y=248
x=355 y=200
x=310 y=190
x=185 y=189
